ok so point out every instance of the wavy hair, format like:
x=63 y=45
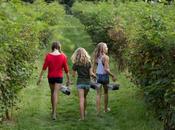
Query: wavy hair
x=80 y=57
x=99 y=50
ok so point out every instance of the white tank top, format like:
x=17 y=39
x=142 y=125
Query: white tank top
x=100 y=67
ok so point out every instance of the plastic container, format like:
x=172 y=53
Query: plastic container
x=64 y=89
x=95 y=85
x=113 y=86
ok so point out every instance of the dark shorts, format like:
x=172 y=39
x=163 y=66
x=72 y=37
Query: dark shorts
x=103 y=79
x=55 y=80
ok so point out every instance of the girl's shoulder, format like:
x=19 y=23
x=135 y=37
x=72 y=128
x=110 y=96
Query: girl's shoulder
x=63 y=54
x=88 y=65
x=105 y=57
x=47 y=55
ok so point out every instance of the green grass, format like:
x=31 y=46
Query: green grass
x=128 y=111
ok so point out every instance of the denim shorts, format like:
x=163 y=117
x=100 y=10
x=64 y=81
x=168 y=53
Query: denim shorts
x=103 y=79
x=83 y=86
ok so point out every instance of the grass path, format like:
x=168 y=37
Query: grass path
x=128 y=111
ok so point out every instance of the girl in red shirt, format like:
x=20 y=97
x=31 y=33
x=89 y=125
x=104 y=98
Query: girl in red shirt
x=55 y=61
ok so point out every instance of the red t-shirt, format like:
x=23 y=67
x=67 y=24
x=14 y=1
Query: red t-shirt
x=55 y=64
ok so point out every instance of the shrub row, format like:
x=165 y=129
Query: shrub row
x=150 y=56
x=25 y=28
x=142 y=35
x=99 y=20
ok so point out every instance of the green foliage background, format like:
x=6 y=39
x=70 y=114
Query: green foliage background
x=142 y=36
x=23 y=33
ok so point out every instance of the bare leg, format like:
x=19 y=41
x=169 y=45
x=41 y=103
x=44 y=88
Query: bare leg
x=81 y=97
x=105 y=98
x=52 y=90
x=98 y=97
x=85 y=102
x=54 y=97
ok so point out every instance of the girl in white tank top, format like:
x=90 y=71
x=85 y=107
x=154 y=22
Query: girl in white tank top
x=101 y=63
x=100 y=67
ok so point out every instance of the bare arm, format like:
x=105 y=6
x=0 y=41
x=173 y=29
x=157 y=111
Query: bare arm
x=106 y=67
x=40 y=77
x=68 y=79
x=73 y=73
x=92 y=73
x=94 y=67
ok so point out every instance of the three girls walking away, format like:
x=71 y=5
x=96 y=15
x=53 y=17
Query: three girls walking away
x=102 y=69
x=55 y=61
x=82 y=65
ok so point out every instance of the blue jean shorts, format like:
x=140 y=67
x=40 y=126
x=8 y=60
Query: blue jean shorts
x=103 y=79
x=83 y=86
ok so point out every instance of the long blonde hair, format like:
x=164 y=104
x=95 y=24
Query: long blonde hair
x=80 y=57
x=99 y=50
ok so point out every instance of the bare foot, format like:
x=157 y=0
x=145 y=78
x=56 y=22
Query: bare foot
x=54 y=117
x=108 y=110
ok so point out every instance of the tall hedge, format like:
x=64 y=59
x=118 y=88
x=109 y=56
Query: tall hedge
x=25 y=28
x=143 y=34
x=18 y=40
x=150 y=57
x=99 y=20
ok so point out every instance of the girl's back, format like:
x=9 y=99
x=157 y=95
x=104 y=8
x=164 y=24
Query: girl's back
x=100 y=66
x=55 y=63
x=83 y=72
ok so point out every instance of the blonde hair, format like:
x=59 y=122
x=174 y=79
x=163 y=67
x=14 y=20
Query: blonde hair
x=99 y=50
x=80 y=57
